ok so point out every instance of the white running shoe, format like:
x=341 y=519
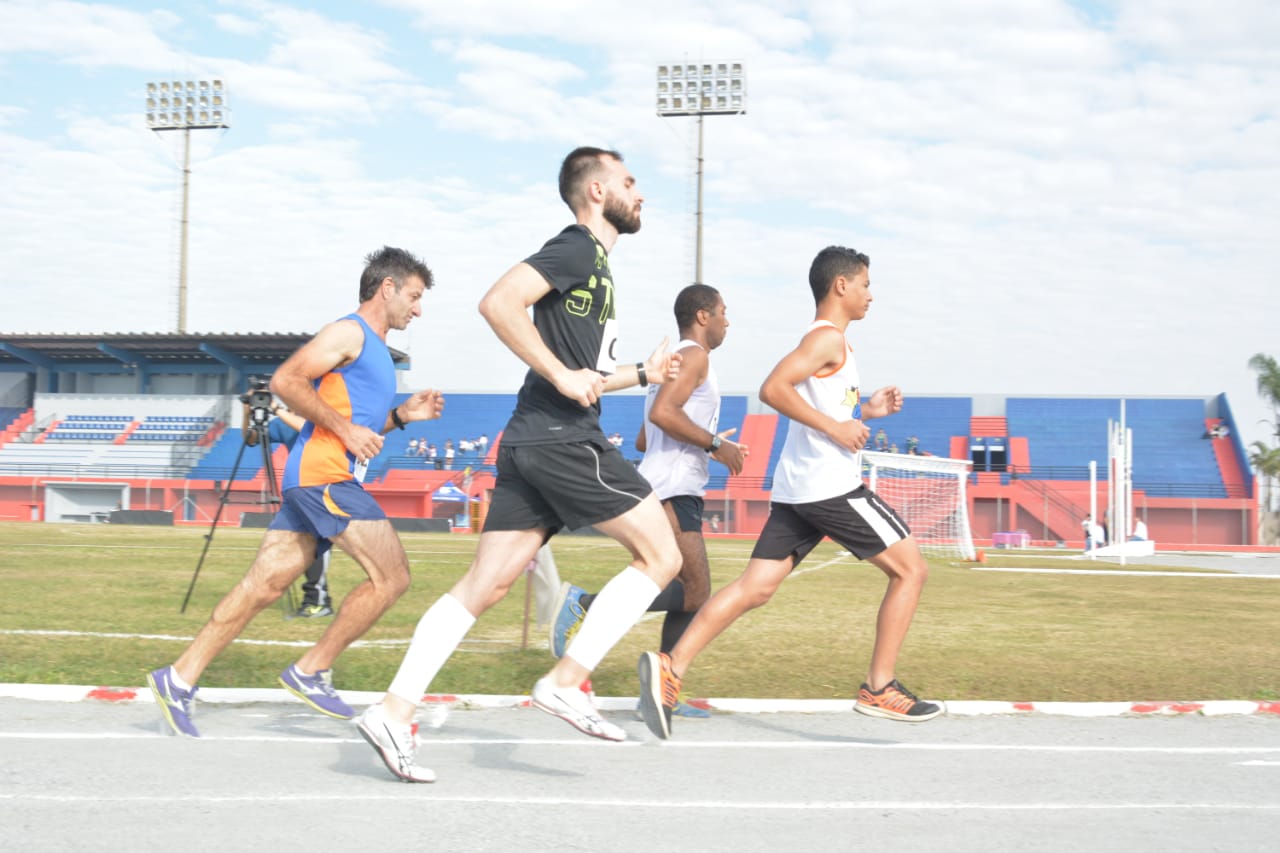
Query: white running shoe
x=572 y=705
x=395 y=744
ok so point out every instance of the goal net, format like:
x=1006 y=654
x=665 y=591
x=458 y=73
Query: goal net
x=929 y=493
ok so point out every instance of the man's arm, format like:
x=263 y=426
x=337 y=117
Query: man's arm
x=668 y=414
x=660 y=368
x=823 y=348
x=336 y=344
x=425 y=405
x=506 y=309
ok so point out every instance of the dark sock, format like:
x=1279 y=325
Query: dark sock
x=671 y=598
x=586 y=599
x=673 y=627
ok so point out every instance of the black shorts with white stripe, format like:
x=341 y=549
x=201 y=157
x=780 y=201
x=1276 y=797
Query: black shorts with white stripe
x=556 y=486
x=860 y=521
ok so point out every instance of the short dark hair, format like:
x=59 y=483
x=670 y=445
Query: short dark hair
x=393 y=262
x=578 y=168
x=831 y=262
x=691 y=300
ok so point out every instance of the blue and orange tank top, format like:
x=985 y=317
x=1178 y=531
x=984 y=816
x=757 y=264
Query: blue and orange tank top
x=363 y=392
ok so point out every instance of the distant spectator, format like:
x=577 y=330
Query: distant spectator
x=715 y=522
x=913 y=446
x=482 y=444
x=893 y=448
x=433 y=456
x=1094 y=536
x=448 y=454
x=881 y=441
x=422 y=448
x=1220 y=430
x=1139 y=531
x=616 y=439
x=465 y=446
x=413 y=447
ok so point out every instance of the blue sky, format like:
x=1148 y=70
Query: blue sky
x=1058 y=198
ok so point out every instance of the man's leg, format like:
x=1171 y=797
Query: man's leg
x=753 y=588
x=655 y=560
x=376 y=547
x=500 y=558
x=388 y=726
x=282 y=556
x=315 y=588
x=882 y=695
x=907 y=571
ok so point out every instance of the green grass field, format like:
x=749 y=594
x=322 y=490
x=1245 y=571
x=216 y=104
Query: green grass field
x=977 y=635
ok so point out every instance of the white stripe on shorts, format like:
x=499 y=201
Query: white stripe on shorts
x=881 y=525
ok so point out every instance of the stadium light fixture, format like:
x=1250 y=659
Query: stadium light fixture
x=186 y=105
x=701 y=89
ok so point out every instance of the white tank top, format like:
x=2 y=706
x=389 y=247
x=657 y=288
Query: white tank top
x=812 y=467
x=673 y=467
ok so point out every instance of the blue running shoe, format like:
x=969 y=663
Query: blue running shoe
x=317 y=691
x=569 y=616
x=175 y=703
x=692 y=712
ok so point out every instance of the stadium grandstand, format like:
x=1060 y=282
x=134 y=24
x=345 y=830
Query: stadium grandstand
x=141 y=427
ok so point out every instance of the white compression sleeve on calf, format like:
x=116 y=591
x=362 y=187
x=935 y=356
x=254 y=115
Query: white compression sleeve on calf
x=438 y=633
x=617 y=607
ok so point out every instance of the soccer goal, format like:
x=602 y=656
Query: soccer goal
x=929 y=493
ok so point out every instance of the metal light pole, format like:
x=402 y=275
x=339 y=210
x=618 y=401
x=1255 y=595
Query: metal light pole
x=701 y=89
x=186 y=105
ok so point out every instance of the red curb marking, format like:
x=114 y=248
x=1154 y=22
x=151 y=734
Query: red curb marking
x=112 y=694
x=1024 y=706
x=440 y=697
x=1176 y=707
x=1269 y=707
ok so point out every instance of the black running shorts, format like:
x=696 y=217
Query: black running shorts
x=562 y=486
x=860 y=521
x=688 y=510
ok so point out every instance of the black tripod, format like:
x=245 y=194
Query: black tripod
x=258 y=418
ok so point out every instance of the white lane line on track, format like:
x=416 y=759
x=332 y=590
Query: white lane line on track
x=704 y=805
x=735 y=745
x=240 y=640
x=1119 y=573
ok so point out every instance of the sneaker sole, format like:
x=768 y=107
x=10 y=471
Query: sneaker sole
x=382 y=753
x=571 y=721
x=312 y=705
x=873 y=711
x=651 y=697
x=164 y=707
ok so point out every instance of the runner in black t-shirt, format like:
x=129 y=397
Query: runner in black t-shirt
x=556 y=469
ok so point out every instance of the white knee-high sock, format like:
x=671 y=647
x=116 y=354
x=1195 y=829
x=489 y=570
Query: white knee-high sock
x=617 y=607
x=438 y=633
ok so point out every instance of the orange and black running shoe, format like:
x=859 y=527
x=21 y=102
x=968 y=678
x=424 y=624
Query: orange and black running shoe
x=894 y=702
x=659 y=692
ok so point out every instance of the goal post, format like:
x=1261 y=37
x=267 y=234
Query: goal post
x=929 y=493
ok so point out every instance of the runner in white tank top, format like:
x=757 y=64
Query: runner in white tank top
x=678 y=438
x=812 y=466
x=817 y=492
x=675 y=467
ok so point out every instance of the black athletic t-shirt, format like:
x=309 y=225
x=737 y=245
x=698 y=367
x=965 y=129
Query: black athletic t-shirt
x=577 y=322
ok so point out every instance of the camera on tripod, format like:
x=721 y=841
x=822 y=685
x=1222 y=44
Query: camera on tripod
x=258 y=398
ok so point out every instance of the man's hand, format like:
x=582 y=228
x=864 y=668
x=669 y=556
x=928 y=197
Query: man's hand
x=662 y=366
x=884 y=402
x=730 y=454
x=425 y=405
x=362 y=442
x=851 y=435
x=583 y=385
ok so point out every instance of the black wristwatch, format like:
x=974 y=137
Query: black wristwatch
x=716 y=441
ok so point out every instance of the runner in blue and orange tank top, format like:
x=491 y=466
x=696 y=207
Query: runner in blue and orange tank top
x=342 y=382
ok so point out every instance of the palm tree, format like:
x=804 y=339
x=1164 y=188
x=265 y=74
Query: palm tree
x=1268 y=371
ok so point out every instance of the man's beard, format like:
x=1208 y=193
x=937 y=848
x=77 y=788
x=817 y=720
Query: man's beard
x=624 y=219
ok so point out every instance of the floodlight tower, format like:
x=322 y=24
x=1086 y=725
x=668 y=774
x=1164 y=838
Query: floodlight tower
x=186 y=105
x=701 y=89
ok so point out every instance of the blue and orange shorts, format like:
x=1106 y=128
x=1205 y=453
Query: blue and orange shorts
x=325 y=511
